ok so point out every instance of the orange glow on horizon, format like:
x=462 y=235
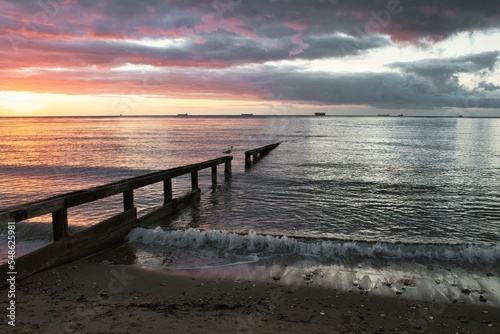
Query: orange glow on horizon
x=22 y=102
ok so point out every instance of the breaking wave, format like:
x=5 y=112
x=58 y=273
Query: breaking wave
x=253 y=243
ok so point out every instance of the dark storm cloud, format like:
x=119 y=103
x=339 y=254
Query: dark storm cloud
x=213 y=43
x=488 y=86
x=260 y=29
x=272 y=83
x=486 y=61
x=400 y=19
x=381 y=90
x=443 y=73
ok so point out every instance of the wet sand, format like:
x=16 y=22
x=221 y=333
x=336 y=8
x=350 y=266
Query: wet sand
x=91 y=297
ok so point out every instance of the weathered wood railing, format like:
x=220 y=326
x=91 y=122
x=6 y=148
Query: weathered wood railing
x=66 y=248
x=252 y=156
x=58 y=205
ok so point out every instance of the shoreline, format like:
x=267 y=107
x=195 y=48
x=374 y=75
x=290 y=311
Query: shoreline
x=92 y=297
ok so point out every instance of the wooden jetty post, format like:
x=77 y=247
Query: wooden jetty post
x=214 y=178
x=167 y=191
x=60 y=223
x=227 y=171
x=252 y=156
x=128 y=200
x=194 y=180
x=67 y=248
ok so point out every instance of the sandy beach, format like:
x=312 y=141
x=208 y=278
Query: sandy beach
x=88 y=296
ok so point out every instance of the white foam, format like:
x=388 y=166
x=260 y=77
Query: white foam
x=268 y=244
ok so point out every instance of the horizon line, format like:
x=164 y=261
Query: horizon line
x=247 y=116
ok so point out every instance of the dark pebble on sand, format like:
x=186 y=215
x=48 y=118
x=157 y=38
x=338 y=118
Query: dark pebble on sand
x=466 y=291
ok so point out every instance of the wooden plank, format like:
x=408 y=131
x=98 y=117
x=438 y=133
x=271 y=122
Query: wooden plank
x=156 y=215
x=188 y=199
x=55 y=203
x=29 y=211
x=167 y=209
x=104 y=229
x=89 y=241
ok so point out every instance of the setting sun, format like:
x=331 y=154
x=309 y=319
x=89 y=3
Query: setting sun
x=21 y=101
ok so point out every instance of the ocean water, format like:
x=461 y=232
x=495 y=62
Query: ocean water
x=408 y=189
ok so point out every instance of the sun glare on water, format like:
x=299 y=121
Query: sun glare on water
x=21 y=101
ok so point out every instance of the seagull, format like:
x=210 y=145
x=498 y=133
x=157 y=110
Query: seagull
x=229 y=151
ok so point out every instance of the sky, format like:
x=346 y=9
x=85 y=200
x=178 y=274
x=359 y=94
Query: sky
x=152 y=57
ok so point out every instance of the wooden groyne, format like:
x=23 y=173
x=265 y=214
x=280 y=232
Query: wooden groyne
x=67 y=248
x=252 y=156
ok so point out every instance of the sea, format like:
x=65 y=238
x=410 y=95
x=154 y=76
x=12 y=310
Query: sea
x=362 y=192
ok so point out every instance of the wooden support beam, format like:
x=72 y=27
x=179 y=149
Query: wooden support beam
x=167 y=191
x=248 y=160
x=60 y=224
x=214 y=178
x=128 y=200
x=194 y=180
x=227 y=171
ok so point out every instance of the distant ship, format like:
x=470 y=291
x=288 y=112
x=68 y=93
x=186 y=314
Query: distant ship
x=246 y=114
x=400 y=115
x=319 y=114
x=182 y=114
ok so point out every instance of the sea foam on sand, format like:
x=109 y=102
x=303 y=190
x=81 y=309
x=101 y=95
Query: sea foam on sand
x=441 y=273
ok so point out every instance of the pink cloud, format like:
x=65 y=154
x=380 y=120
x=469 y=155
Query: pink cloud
x=212 y=23
x=297 y=39
x=295 y=26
